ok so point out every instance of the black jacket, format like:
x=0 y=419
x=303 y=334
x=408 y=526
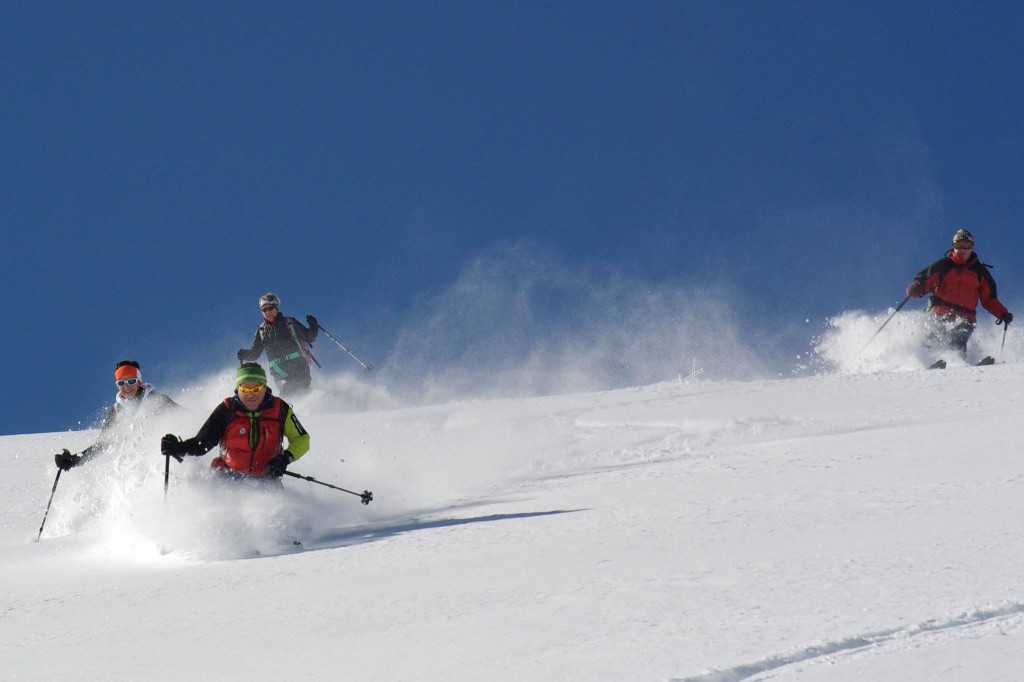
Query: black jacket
x=281 y=340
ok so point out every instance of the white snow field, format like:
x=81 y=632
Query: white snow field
x=853 y=525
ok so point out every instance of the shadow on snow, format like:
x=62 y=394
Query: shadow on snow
x=354 y=536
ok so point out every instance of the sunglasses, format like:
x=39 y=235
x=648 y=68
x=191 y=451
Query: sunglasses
x=269 y=308
x=251 y=390
x=128 y=382
x=963 y=246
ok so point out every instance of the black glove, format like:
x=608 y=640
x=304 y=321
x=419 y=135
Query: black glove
x=171 y=445
x=65 y=460
x=311 y=322
x=239 y=354
x=1006 y=319
x=915 y=288
x=277 y=466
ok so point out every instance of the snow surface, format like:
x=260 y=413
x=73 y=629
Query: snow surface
x=857 y=524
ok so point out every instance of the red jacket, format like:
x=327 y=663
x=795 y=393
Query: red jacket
x=250 y=439
x=956 y=286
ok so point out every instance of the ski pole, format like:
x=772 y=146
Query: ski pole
x=45 y=513
x=368 y=368
x=365 y=497
x=902 y=303
x=167 y=474
x=1006 y=328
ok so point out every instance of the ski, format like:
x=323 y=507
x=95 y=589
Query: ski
x=984 y=362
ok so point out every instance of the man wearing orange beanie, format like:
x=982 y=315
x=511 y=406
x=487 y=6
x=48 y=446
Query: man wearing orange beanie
x=134 y=400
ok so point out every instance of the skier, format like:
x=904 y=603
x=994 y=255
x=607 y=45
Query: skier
x=956 y=282
x=135 y=401
x=287 y=343
x=250 y=427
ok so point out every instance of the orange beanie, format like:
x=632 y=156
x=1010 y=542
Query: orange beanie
x=127 y=372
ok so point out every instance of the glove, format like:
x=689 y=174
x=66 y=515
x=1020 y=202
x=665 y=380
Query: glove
x=1006 y=319
x=277 y=466
x=65 y=460
x=915 y=289
x=311 y=322
x=171 y=445
x=239 y=354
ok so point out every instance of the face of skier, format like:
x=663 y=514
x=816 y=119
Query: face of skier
x=129 y=388
x=962 y=251
x=269 y=313
x=251 y=394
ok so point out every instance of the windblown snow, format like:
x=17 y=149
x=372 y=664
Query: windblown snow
x=858 y=524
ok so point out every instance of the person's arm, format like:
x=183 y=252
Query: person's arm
x=309 y=335
x=988 y=298
x=926 y=280
x=104 y=440
x=298 y=437
x=209 y=433
x=254 y=351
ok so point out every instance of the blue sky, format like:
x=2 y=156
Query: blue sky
x=375 y=163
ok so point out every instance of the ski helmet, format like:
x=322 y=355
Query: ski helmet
x=269 y=300
x=963 y=235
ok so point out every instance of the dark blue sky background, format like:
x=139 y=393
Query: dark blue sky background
x=161 y=166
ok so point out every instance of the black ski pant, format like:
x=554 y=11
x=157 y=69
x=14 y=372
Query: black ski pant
x=952 y=332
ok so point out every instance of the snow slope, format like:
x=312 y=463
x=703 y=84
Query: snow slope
x=846 y=526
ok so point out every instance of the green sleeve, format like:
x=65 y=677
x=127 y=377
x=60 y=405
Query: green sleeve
x=298 y=438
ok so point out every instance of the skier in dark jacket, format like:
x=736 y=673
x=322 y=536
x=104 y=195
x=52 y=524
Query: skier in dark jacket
x=287 y=343
x=135 y=401
x=250 y=428
x=955 y=284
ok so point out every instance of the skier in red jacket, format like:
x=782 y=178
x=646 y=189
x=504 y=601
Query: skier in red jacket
x=250 y=427
x=955 y=284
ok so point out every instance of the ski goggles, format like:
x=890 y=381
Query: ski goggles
x=251 y=390
x=963 y=246
x=128 y=382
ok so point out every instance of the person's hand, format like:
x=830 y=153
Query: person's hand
x=1006 y=319
x=65 y=460
x=171 y=446
x=915 y=288
x=240 y=355
x=277 y=466
x=311 y=322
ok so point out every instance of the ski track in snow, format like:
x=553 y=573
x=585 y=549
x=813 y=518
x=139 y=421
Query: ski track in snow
x=1010 y=616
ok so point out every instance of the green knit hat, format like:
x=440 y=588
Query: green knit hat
x=250 y=373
